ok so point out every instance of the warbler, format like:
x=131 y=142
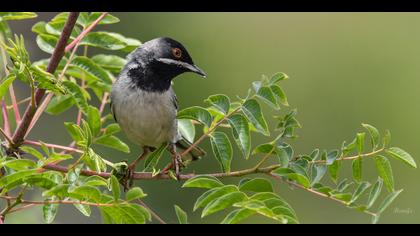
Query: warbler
x=144 y=103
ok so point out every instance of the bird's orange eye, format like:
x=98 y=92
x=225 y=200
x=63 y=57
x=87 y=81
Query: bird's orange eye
x=177 y=53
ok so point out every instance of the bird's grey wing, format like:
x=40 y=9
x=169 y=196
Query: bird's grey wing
x=174 y=100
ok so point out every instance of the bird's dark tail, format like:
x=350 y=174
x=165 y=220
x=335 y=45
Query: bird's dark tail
x=196 y=152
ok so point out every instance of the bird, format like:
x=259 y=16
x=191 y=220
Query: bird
x=144 y=103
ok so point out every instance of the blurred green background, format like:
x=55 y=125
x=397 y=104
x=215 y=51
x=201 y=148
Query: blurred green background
x=345 y=69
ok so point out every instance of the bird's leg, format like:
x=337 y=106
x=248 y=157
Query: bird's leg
x=132 y=167
x=176 y=160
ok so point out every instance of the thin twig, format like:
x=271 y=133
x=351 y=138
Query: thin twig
x=103 y=103
x=153 y=213
x=85 y=32
x=6 y=123
x=59 y=202
x=14 y=104
x=9 y=140
x=352 y=157
x=50 y=145
x=25 y=100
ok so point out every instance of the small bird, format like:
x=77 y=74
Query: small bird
x=145 y=105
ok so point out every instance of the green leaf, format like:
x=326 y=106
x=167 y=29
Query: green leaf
x=110 y=41
x=134 y=193
x=385 y=172
x=213 y=194
x=346 y=197
x=84 y=209
x=401 y=155
x=237 y=215
x=279 y=94
x=60 y=191
x=264 y=148
x=15 y=177
x=374 y=193
x=60 y=104
x=284 y=153
x=360 y=142
x=113 y=142
x=85 y=193
x=318 y=172
x=241 y=133
x=85 y=68
x=186 y=129
x=49 y=212
x=223 y=202
x=374 y=135
x=196 y=113
x=112 y=129
x=75 y=131
x=221 y=102
x=17 y=15
x=181 y=215
x=94 y=120
x=108 y=19
x=46 y=42
x=255 y=185
x=153 y=159
x=388 y=200
x=278 y=77
x=4 y=86
x=299 y=178
x=110 y=62
x=350 y=147
x=19 y=164
x=253 y=113
x=386 y=138
x=267 y=95
x=202 y=181
x=222 y=150
x=55 y=157
x=357 y=169
x=115 y=187
x=32 y=151
x=41 y=181
x=78 y=95
x=331 y=157
x=363 y=186
x=333 y=170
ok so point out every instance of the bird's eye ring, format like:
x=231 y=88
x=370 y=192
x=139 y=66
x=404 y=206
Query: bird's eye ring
x=177 y=53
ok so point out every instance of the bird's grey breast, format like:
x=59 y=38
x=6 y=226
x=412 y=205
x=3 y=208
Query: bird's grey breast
x=147 y=118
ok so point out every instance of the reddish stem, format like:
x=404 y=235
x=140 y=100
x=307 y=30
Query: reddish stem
x=14 y=104
x=6 y=124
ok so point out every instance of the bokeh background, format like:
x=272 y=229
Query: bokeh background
x=345 y=69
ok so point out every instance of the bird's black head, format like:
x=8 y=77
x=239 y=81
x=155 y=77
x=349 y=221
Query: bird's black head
x=155 y=63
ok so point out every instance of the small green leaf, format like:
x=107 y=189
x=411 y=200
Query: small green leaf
x=278 y=77
x=181 y=215
x=46 y=42
x=267 y=95
x=60 y=191
x=401 y=155
x=318 y=172
x=202 y=182
x=223 y=202
x=222 y=150
x=17 y=15
x=284 y=153
x=255 y=185
x=153 y=159
x=49 y=211
x=94 y=120
x=134 y=193
x=4 y=86
x=221 y=102
x=374 y=135
x=253 y=113
x=196 y=113
x=15 y=177
x=237 y=215
x=360 y=142
x=333 y=170
x=113 y=142
x=357 y=169
x=387 y=138
x=241 y=133
x=374 y=193
x=86 y=193
x=84 y=209
x=110 y=62
x=289 y=173
x=363 y=186
x=213 y=194
x=60 y=104
x=279 y=94
x=332 y=156
x=265 y=148
x=108 y=19
x=78 y=95
x=86 y=69
x=115 y=187
x=19 y=164
x=388 y=200
x=186 y=129
x=75 y=131
x=385 y=172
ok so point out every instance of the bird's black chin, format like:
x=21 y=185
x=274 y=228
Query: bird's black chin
x=182 y=67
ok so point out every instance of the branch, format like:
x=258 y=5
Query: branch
x=370 y=154
x=58 y=202
x=149 y=175
x=50 y=145
x=55 y=59
x=5 y=114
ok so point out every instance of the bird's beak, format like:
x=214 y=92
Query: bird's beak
x=195 y=69
x=187 y=66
